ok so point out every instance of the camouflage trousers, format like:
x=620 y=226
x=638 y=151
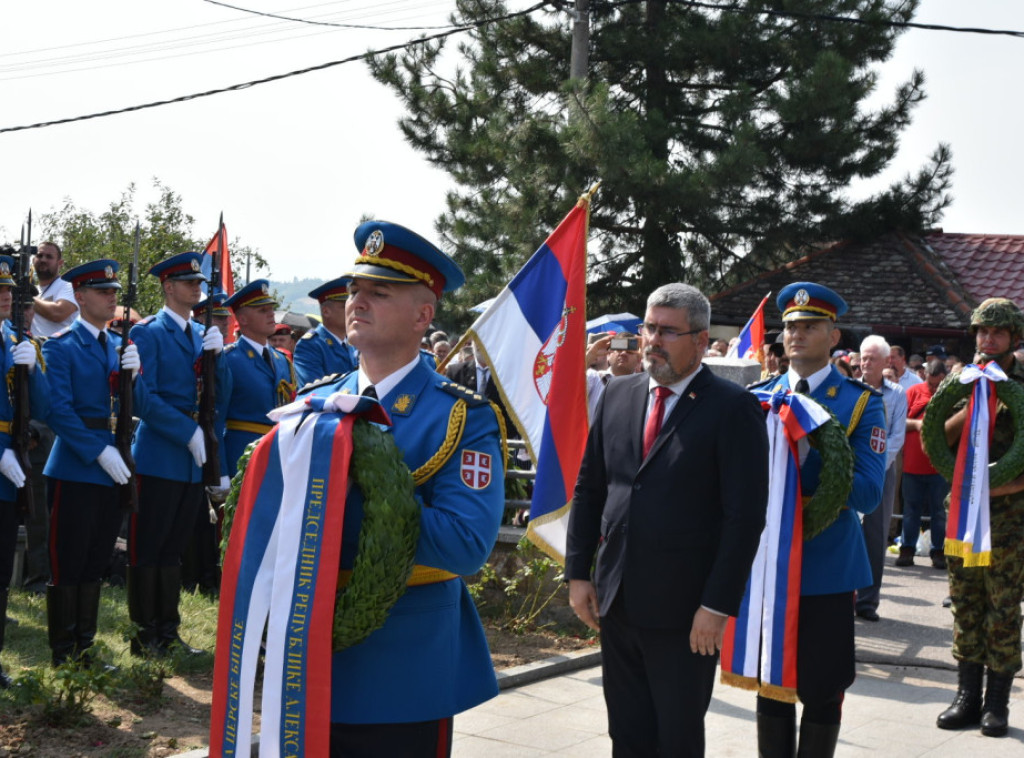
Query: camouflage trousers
x=986 y=599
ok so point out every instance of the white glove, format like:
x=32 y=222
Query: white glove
x=24 y=354
x=111 y=461
x=197 y=446
x=218 y=495
x=10 y=468
x=130 y=360
x=213 y=340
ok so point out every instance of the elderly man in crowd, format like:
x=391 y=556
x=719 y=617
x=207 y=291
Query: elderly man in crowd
x=874 y=356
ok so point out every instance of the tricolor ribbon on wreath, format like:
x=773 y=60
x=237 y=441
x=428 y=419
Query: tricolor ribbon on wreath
x=968 y=531
x=287 y=525
x=760 y=643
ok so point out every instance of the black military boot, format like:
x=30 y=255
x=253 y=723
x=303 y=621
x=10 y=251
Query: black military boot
x=169 y=583
x=62 y=622
x=88 y=614
x=817 y=740
x=143 y=597
x=776 y=736
x=5 y=681
x=966 y=708
x=996 y=710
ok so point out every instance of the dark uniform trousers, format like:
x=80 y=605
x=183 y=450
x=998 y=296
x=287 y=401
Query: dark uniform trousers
x=167 y=512
x=84 y=522
x=420 y=739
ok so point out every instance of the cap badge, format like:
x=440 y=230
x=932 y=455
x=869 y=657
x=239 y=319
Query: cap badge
x=195 y=265
x=5 y=270
x=374 y=243
x=802 y=298
x=265 y=289
x=109 y=272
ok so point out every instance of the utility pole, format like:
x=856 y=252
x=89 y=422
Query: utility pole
x=579 y=58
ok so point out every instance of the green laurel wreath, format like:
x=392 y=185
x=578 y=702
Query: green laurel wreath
x=387 y=540
x=836 y=479
x=941 y=407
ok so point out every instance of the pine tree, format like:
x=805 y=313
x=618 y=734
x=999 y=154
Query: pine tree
x=725 y=138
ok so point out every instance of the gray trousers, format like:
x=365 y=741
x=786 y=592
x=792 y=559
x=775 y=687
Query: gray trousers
x=876 y=538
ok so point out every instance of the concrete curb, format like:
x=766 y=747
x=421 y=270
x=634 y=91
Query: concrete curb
x=507 y=679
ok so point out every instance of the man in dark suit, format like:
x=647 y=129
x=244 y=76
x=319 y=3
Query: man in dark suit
x=671 y=497
x=476 y=375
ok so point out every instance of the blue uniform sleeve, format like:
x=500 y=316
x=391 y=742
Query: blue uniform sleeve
x=459 y=523
x=308 y=360
x=164 y=419
x=869 y=458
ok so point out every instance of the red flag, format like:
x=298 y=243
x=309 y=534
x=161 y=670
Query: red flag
x=219 y=244
x=751 y=336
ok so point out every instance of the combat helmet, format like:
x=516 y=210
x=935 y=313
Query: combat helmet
x=998 y=312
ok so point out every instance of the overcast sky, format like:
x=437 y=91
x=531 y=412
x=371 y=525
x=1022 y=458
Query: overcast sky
x=294 y=164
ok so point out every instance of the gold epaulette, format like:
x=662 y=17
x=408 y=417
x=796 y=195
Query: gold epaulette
x=452 y=437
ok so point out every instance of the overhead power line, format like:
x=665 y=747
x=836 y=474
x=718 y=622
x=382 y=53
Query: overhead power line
x=327 y=23
x=276 y=77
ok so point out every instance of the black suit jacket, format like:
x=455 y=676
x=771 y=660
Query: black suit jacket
x=679 y=529
x=464 y=373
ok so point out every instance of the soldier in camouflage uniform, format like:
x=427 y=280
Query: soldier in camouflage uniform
x=986 y=599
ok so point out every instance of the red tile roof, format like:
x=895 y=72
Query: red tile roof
x=985 y=265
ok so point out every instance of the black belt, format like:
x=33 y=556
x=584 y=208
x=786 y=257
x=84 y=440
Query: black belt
x=97 y=423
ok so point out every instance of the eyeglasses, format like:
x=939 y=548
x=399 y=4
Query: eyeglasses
x=668 y=335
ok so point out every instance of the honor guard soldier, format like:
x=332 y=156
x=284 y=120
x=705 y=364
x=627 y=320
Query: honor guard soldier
x=169 y=452
x=396 y=692
x=221 y=312
x=13 y=353
x=84 y=465
x=986 y=598
x=262 y=377
x=835 y=563
x=326 y=350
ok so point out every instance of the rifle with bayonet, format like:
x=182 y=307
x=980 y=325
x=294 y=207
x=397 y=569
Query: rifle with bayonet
x=128 y=493
x=21 y=430
x=208 y=377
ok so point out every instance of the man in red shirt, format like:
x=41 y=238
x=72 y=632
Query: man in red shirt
x=924 y=489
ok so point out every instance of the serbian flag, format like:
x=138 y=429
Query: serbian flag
x=534 y=339
x=218 y=247
x=282 y=564
x=968 y=530
x=751 y=337
x=760 y=644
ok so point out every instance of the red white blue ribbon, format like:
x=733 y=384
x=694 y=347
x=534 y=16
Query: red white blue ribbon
x=968 y=531
x=280 y=574
x=760 y=643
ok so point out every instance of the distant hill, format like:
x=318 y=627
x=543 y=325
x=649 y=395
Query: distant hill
x=293 y=295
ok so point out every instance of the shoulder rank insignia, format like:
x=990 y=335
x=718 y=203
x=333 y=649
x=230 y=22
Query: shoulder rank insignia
x=762 y=383
x=232 y=346
x=464 y=393
x=863 y=386
x=323 y=381
x=147 y=319
x=308 y=335
x=403 y=404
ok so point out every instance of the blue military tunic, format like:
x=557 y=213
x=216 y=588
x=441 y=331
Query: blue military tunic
x=80 y=370
x=319 y=353
x=255 y=390
x=39 y=404
x=430 y=659
x=169 y=370
x=837 y=560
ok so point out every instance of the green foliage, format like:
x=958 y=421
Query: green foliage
x=142 y=684
x=526 y=592
x=725 y=141
x=65 y=694
x=167 y=229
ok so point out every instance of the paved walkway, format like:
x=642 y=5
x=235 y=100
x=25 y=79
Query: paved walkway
x=905 y=678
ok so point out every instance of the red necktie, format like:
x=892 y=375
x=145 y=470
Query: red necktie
x=654 y=419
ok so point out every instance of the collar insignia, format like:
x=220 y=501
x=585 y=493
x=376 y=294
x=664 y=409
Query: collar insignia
x=403 y=404
x=832 y=391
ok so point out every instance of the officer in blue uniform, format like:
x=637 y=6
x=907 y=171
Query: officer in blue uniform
x=835 y=563
x=325 y=350
x=396 y=693
x=169 y=452
x=261 y=375
x=13 y=477
x=84 y=466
